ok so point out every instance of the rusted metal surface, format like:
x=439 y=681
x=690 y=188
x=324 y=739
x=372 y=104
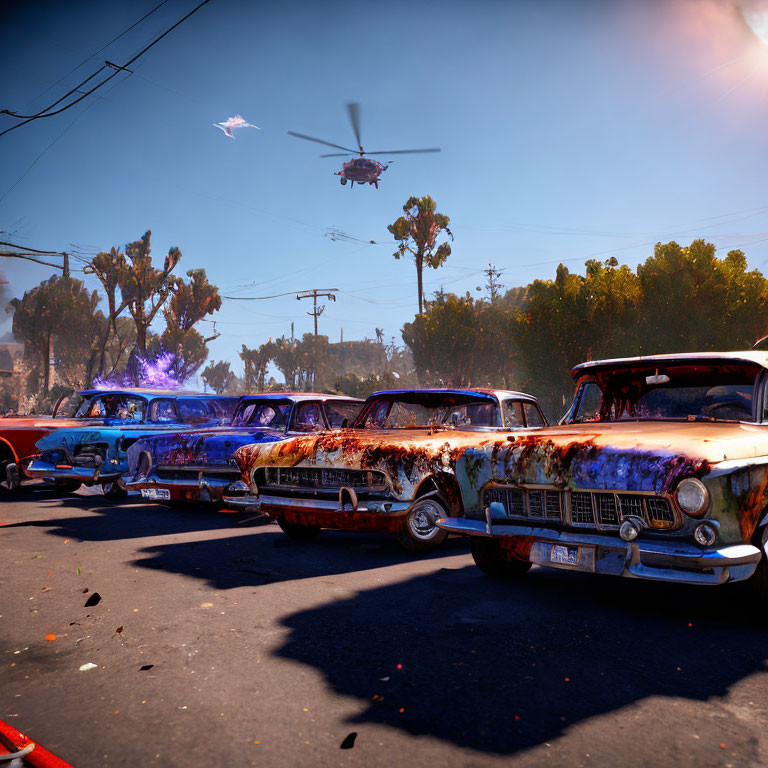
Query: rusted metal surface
x=411 y=462
x=633 y=462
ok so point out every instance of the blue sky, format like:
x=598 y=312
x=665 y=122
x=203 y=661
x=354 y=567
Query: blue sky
x=568 y=130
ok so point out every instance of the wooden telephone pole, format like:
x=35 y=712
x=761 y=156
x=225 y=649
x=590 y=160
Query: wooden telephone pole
x=313 y=294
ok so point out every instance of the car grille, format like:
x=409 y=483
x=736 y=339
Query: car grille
x=601 y=510
x=320 y=478
x=192 y=473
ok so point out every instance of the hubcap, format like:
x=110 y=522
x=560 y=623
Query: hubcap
x=421 y=520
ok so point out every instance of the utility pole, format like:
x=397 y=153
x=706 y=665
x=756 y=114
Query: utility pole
x=313 y=294
x=315 y=313
x=65 y=268
x=492 y=286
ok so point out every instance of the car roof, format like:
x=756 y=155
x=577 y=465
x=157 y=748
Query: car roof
x=497 y=393
x=298 y=397
x=747 y=356
x=148 y=391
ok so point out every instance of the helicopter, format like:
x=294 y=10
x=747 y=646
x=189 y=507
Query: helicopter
x=360 y=169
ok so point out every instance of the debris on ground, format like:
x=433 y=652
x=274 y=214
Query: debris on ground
x=50 y=638
x=349 y=741
x=146 y=667
x=89 y=665
x=94 y=599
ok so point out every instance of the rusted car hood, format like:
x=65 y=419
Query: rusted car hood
x=645 y=455
x=362 y=448
x=633 y=456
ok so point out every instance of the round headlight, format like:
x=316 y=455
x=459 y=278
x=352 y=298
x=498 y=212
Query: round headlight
x=692 y=496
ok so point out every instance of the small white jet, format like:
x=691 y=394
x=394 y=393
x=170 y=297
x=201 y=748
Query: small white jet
x=232 y=123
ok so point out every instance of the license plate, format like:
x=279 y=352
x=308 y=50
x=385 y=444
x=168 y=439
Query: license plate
x=156 y=494
x=564 y=555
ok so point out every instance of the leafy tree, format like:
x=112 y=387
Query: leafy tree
x=143 y=287
x=458 y=341
x=218 y=376
x=694 y=301
x=189 y=303
x=418 y=231
x=256 y=362
x=57 y=318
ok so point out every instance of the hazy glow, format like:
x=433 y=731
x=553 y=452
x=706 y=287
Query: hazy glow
x=757 y=21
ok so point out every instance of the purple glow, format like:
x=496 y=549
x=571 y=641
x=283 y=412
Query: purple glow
x=162 y=372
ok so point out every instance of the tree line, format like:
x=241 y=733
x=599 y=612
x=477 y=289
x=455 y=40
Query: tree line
x=681 y=298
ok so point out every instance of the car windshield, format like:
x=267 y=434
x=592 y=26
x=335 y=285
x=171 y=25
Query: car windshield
x=112 y=405
x=270 y=415
x=690 y=392
x=430 y=410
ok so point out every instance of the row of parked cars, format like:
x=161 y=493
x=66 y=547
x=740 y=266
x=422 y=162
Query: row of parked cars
x=657 y=470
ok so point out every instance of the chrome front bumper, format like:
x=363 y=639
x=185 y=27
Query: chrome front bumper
x=252 y=501
x=204 y=488
x=107 y=472
x=661 y=561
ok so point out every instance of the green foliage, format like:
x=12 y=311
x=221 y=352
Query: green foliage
x=417 y=231
x=189 y=303
x=462 y=342
x=680 y=299
x=313 y=363
x=218 y=376
x=58 y=318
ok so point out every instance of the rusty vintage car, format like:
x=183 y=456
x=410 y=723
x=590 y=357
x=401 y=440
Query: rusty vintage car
x=658 y=470
x=393 y=470
x=197 y=465
x=96 y=454
x=89 y=407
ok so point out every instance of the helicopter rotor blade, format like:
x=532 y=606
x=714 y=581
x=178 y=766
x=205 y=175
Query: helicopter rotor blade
x=354 y=118
x=340 y=154
x=320 y=141
x=403 y=152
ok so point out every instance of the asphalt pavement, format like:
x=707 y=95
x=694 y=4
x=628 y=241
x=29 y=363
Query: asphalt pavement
x=221 y=643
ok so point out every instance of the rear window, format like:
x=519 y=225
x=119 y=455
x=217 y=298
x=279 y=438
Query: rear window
x=193 y=411
x=341 y=414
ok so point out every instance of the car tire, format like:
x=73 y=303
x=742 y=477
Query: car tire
x=114 y=490
x=419 y=533
x=758 y=581
x=489 y=558
x=299 y=531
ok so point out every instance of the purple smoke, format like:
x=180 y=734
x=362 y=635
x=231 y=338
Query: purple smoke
x=165 y=371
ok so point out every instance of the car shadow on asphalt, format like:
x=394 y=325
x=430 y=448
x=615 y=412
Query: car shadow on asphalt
x=500 y=667
x=109 y=521
x=269 y=556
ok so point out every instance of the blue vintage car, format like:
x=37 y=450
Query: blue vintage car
x=97 y=454
x=197 y=465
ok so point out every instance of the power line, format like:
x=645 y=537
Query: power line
x=118 y=68
x=34 y=162
x=276 y=295
x=94 y=54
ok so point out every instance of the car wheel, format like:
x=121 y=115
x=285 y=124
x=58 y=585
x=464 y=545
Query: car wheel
x=299 y=531
x=114 y=490
x=758 y=581
x=490 y=559
x=419 y=532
